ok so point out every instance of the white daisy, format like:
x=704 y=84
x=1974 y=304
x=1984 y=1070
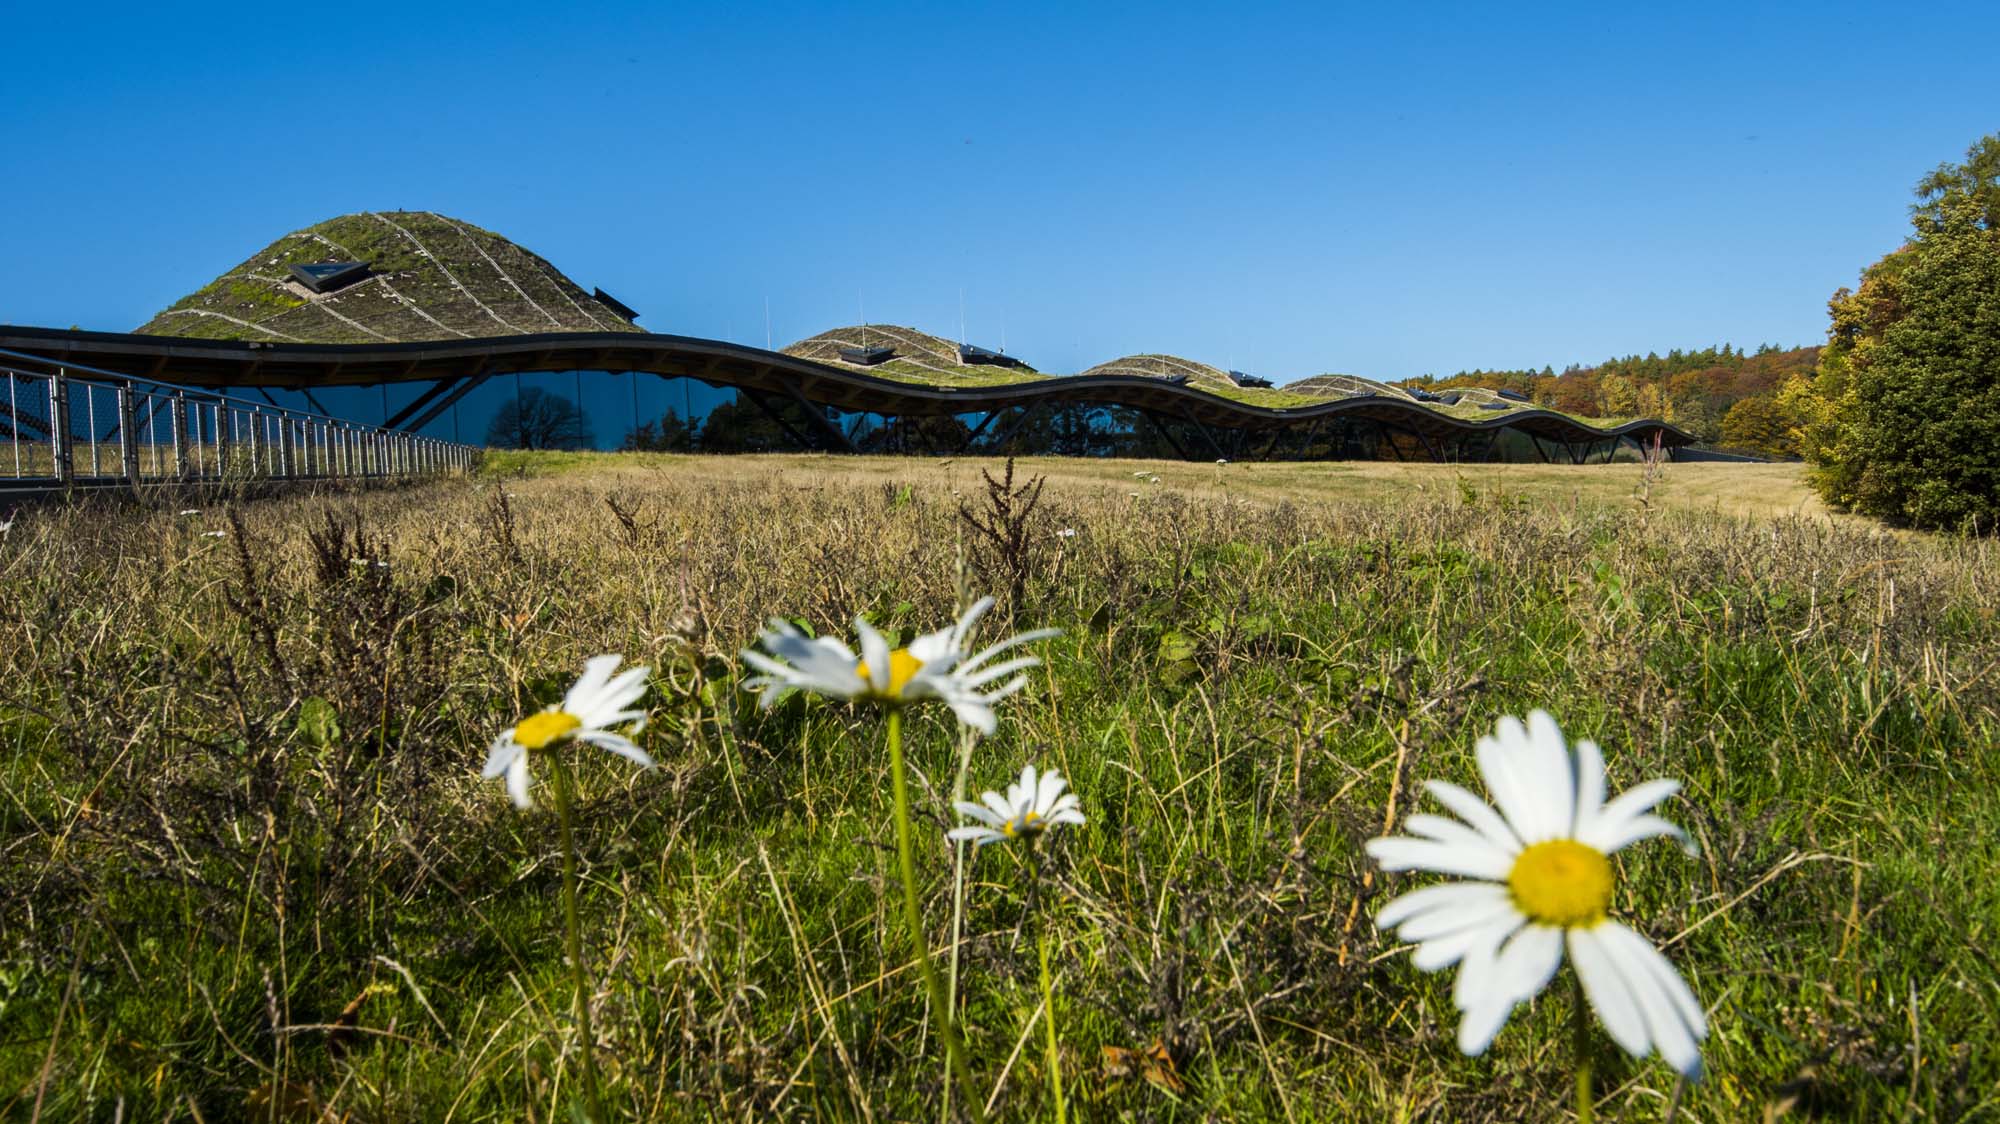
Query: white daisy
x=934 y=666
x=1542 y=879
x=1032 y=806
x=586 y=714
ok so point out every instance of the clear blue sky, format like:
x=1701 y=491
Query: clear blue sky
x=1385 y=190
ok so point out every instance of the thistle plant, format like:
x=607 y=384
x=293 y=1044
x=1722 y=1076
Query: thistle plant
x=1541 y=878
x=933 y=666
x=599 y=701
x=1033 y=806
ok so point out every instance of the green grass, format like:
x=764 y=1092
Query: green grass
x=239 y=789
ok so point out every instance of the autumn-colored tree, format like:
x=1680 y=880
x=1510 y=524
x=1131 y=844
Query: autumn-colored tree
x=1618 y=395
x=1902 y=419
x=1760 y=425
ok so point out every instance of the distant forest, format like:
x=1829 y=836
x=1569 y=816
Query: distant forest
x=1724 y=396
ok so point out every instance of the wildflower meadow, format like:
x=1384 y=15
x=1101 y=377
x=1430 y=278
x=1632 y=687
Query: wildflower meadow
x=778 y=788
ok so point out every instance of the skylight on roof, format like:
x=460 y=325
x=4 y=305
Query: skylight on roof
x=326 y=276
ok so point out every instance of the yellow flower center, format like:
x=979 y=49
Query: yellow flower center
x=1562 y=882
x=902 y=668
x=538 y=730
x=1030 y=823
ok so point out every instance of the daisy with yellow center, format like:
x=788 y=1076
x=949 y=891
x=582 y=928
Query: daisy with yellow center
x=598 y=701
x=1034 y=804
x=934 y=666
x=1541 y=880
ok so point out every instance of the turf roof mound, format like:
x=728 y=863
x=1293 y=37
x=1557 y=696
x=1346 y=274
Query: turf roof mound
x=429 y=277
x=1345 y=386
x=919 y=357
x=1152 y=366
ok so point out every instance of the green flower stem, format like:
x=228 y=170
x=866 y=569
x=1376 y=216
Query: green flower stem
x=1580 y=1029
x=965 y=741
x=1049 y=1007
x=560 y=775
x=954 y=1050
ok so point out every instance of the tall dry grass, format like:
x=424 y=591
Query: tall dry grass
x=250 y=871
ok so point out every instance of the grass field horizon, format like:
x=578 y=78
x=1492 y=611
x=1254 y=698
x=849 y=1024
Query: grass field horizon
x=255 y=874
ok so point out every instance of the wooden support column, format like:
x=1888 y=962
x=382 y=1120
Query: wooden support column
x=816 y=415
x=758 y=400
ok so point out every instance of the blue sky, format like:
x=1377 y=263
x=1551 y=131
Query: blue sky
x=1385 y=190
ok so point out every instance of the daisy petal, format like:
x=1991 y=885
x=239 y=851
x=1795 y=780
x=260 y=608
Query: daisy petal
x=1501 y=767
x=618 y=744
x=1476 y=812
x=517 y=782
x=1449 y=895
x=1028 y=637
x=1589 y=786
x=978 y=812
x=1647 y=826
x=1635 y=957
x=1047 y=790
x=1631 y=803
x=874 y=653
x=975 y=679
x=1402 y=853
x=1003 y=809
x=504 y=751
x=1553 y=774
x=1529 y=960
x=975 y=714
x=1437 y=924
x=1481 y=1024
x=1455 y=834
x=1604 y=985
x=596 y=671
x=1475 y=946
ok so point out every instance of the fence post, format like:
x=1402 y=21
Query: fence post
x=128 y=437
x=177 y=416
x=225 y=422
x=287 y=457
x=59 y=435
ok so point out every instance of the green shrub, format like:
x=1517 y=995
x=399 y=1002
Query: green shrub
x=1902 y=420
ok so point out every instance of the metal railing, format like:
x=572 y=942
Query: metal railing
x=62 y=425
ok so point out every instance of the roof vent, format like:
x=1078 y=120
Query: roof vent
x=866 y=356
x=614 y=304
x=1250 y=380
x=327 y=276
x=969 y=354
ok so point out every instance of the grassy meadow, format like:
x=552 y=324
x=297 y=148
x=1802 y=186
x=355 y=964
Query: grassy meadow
x=249 y=870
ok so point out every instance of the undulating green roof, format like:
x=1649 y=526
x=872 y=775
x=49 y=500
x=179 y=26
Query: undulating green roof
x=429 y=277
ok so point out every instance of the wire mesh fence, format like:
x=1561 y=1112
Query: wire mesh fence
x=62 y=425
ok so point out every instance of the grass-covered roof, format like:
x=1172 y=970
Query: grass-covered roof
x=430 y=277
